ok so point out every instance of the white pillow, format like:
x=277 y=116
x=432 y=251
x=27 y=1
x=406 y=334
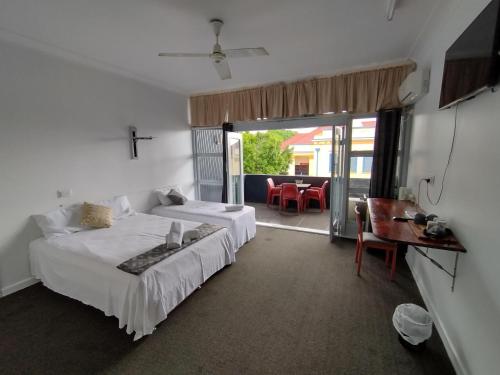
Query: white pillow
x=120 y=205
x=161 y=193
x=60 y=222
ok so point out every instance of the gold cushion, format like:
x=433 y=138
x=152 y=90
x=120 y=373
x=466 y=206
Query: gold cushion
x=96 y=216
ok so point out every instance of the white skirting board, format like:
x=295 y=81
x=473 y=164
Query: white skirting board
x=9 y=289
x=288 y=227
x=450 y=349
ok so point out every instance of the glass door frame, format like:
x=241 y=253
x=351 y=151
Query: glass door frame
x=233 y=198
x=333 y=120
x=347 y=229
x=339 y=179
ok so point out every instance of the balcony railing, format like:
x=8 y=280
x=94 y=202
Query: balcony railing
x=256 y=187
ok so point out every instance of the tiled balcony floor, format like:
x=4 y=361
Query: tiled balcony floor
x=310 y=219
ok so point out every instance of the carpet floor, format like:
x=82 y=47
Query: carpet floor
x=291 y=304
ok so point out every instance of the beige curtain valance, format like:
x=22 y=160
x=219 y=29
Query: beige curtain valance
x=359 y=92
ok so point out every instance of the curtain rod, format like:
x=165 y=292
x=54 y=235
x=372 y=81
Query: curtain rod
x=338 y=73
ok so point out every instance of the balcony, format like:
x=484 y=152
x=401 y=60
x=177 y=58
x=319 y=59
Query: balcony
x=312 y=218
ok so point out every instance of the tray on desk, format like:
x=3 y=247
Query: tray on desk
x=448 y=241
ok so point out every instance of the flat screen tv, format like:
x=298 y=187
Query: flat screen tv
x=472 y=62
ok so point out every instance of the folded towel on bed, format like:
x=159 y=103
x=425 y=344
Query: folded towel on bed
x=174 y=237
x=190 y=235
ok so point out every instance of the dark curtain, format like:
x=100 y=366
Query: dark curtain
x=385 y=155
x=226 y=127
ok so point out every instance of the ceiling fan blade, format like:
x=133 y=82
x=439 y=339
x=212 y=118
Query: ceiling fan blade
x=222 y=68
x=175 y=54
x=245 y=52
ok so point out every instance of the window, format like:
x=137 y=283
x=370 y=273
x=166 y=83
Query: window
x=362 y=146
x=301 y=169
x=354 y=164
x=367 y=164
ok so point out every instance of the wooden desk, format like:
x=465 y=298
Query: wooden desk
x=383 y=210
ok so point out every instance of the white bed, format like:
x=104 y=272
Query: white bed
x=83 y=266
x=241 y=224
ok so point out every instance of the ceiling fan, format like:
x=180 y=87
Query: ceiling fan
x=218 y=55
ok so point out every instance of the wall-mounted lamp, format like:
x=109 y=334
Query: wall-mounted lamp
x=133 y=138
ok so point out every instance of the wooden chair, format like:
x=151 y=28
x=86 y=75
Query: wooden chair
x=318 y=194
x=369 y=240
x=290 y=192
x=272 y=192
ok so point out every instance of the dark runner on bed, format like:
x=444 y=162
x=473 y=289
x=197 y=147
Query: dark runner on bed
x=142 y=262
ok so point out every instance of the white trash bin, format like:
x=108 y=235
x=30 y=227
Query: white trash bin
x=413 y=323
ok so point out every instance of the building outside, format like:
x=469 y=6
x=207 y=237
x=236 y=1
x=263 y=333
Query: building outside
x=312 y=150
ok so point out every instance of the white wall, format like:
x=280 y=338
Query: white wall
x=469 y=318
x=64 y=125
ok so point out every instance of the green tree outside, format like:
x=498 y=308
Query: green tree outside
x=262 y=153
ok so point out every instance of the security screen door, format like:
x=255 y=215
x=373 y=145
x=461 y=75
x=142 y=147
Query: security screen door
x=207 y=158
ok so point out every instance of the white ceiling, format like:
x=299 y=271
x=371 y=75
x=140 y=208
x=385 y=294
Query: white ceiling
x=304 y=37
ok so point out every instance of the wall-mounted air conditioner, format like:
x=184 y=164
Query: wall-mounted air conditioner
x=415 y=86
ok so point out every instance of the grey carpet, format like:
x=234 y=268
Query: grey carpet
x=291 y=304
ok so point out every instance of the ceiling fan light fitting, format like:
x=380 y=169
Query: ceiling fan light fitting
x=219 y=56
x=217 y=25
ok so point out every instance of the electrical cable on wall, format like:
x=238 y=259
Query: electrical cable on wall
x=418 y=192
x=447 y=164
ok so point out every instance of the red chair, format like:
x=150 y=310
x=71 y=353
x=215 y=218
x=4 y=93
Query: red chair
x=290 y=192
x=369 y=240
x=317 y=194
x=272 y=192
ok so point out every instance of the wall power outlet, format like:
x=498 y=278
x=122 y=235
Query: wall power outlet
x=64 y=193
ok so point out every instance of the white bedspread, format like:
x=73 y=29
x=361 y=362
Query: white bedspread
x=241 y=224
x=83 y=266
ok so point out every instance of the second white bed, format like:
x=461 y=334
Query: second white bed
x=241 y=224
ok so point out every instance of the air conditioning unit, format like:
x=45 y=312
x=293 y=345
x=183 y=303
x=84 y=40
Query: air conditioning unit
x=415 y=86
